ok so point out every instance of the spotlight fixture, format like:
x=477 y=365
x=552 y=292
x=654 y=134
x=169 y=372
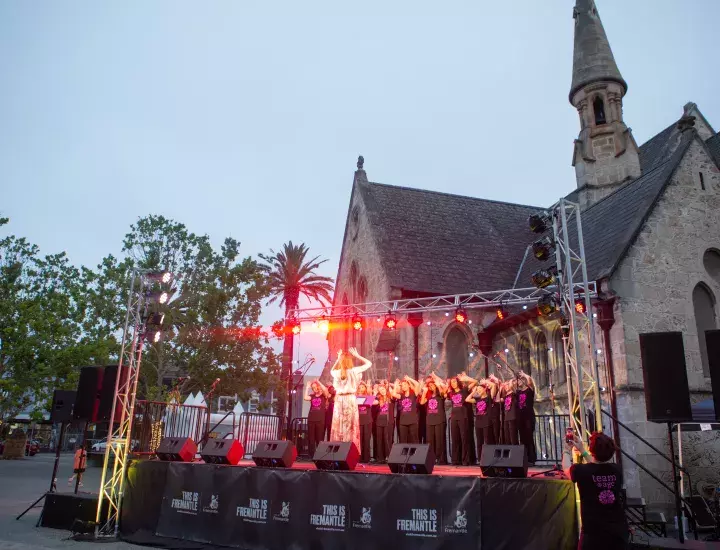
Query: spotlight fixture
x=565 y=326
x=543 y=248
x=429 y=323
x=501 y=313
x=547 y=305
x=434 y=355
x=294 y=325
x=461 y=316
x=357 y=322
x=161 y=297
x=544 y=277
x=397 y=358
x=472 y=354
x=507 y=350
x=157 y=336
x=540 y=222
x=160 y=276
x=323 y=325
x=390 y=321
x=155 y=320
x=580 y=306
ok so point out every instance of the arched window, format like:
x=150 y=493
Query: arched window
x=599 y=109
x=524 y=356
x=541 y=349
x=704 y=306
x=559 y=359
x=456 y=351
x=362 y=298
x=346 y=332
x=711 y=261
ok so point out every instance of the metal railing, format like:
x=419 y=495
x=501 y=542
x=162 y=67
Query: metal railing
x=255 y=427
x=550 y=437
x=299 y=431
x=154 y=420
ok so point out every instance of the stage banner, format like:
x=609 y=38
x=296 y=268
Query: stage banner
x=267 y=508
x=195 y=500
x=435 y=512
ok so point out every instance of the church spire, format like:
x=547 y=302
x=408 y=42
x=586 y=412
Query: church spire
x=593 y=60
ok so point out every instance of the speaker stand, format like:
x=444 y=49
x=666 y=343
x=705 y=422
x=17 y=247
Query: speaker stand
x=555 y=469
x=53 y=479
x=676 y=487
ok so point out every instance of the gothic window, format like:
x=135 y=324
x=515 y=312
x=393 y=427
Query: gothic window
x=346 y=331
x=524 y=356
x=599 y=108
x=541 y=349
x=711 y=261
x=704 y=306
x=362 y=298
x=702 y=181
x=353 y=280
x=559 y=356
x=456 y=351
x=354 y=222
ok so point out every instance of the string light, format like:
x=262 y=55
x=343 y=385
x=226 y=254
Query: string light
x=156 y=434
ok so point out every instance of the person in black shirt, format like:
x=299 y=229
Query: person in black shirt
x=365 y=415
x=406 y=392
x=432 y=396
x=329 y=411
x=457 y=394
x=510 y=409
x=318 y=395
x=604 y=525
x=526 y=415
x=384 y=423
x=483 y=397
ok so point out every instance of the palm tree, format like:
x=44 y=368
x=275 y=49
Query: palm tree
x=290 y=276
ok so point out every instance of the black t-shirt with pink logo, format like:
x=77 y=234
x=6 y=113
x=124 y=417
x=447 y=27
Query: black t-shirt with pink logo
x=601 y=507
x=483 y=412
x=510 y=406
x=408 y=409
x=318 y=405
x=365 y=413
x=526 y=402
x=385 y=413
x=457 y=403
x=435 y=410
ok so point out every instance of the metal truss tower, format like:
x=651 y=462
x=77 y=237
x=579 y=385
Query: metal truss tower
x=121 y=416
x=574 y=288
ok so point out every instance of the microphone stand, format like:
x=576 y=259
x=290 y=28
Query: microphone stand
x=209 y=409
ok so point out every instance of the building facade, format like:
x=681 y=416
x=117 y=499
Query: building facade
x=651 y=224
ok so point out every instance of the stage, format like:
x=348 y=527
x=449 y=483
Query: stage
x=302 y=508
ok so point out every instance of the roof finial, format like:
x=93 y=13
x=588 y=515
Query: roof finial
x=360 y=162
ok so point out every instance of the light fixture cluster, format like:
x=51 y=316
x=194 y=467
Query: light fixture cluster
x=156 y=298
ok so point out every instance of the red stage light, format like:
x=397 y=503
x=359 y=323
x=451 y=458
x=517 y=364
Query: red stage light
x=357 y=322
x=296 y=329
x=390 y=322
x=323 y=325
x=501 y=314
x=580 y=306
x=461 y=316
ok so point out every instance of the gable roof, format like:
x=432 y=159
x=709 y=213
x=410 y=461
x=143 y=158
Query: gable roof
x=440 y=243
x=713 y=144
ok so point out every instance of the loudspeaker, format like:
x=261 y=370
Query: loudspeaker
x=62 y=406
x=176 y=449
x=274 y=454
x=87 y=399
x=667 y=397
x=504 y=461
x=411 y=458
x=107 y=394
x=712 y=343
x=61 y=510
x=222 y=451
x=336 y=455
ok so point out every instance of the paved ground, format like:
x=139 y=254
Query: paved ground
x=22 y=482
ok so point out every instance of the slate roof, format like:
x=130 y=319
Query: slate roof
x=714 y=145
x=446 y=244
x=439 y=243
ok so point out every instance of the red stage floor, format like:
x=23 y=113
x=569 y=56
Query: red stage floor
x=462 y=471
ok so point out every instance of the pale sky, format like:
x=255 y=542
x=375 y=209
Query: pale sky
x=245 y=119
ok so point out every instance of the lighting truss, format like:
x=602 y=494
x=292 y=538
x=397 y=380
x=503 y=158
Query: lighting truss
x=474 y=300
x=121 y=416
x=583 y=377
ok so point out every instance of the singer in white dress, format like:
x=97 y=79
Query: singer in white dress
x=346 y=377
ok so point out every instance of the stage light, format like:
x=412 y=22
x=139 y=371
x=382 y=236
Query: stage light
x=472 y=354
x=540 y=222
x=429 y=323
x=390 y=321
x=580 y=306
x=294 y=325
x=157 y=335
x=447 y=314
x=525 y=306
x=594 y=315
x=160 y=276
x=507 y=350
x=565 y=326
x=161 y=297
x=461 y=316
x=155 y=319
x=543 y=248
x=397 y=358
x=357 y=322
x=501 y=313
x=323 y=325
x=550 y=349
x=434 y=355
x=599 y=352
x=544 y=277
x=547 y=305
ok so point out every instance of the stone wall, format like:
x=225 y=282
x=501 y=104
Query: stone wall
x=654 y=284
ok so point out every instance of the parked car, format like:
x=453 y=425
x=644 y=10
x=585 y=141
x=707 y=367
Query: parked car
x=101 y=445
x=32 y=448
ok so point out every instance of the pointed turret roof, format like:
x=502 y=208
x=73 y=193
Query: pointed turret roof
x=592 y=58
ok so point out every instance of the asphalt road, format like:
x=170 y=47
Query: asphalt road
x=21 y=483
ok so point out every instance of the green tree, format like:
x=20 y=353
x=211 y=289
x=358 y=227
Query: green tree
x=291 y=275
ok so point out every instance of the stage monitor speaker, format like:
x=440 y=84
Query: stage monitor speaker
x=411 y=458
x=504 y=461
x=176 y=449
x=667 y=397
x=62 y=406
x=63 y=510
x=222 y=451
x=87 y=398
x=336 y=455
x=712 y=343
x=107 y=394
x=274 y=454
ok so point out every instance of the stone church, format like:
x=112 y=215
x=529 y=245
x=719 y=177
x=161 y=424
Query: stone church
x=651 y=225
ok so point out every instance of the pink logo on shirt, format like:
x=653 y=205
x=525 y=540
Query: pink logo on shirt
x=363 y=409
x=384 y=409
x=481 y=407
x=406 y=405
x=508 y=402
x=457 y=399
x=433 y=405
x=606 y=497
x=522 y=400
x=316 y=402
